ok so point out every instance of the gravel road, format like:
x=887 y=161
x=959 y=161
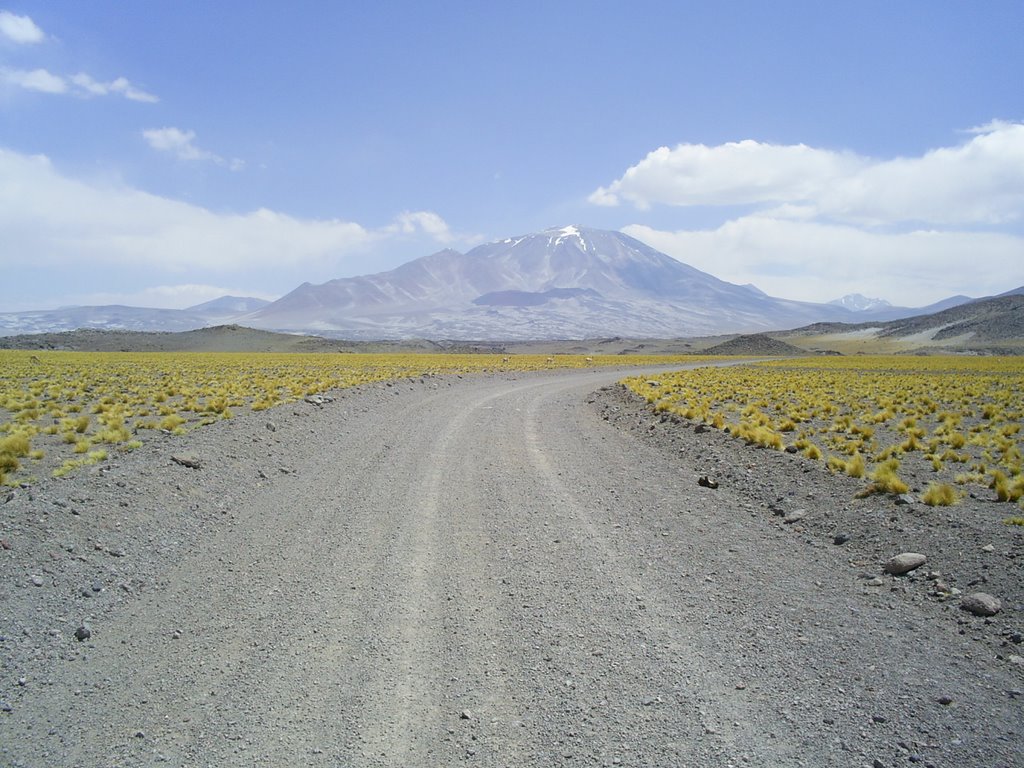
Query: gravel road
x=480 y=571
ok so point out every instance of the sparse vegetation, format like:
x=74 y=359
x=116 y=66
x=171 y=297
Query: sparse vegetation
x=869 y=416
x=940 y=495
x=75 y=402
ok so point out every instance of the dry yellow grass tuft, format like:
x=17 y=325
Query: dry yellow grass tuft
x=928 y=413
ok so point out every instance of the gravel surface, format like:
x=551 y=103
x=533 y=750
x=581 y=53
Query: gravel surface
x=496 y=571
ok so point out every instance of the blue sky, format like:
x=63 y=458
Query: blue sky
x=162 y=153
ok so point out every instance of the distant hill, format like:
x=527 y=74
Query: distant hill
x=987 y=320
x=223 y=338
x=228 y=306
x=994 y=324
x=125 y=318
x=757 y=344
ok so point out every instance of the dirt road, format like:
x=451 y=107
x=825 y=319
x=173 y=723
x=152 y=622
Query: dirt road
x=475 y=572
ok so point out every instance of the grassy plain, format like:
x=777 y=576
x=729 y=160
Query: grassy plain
x=60 y=411
x=953 y=423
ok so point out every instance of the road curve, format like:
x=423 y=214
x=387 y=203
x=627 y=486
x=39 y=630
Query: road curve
x=488 y=574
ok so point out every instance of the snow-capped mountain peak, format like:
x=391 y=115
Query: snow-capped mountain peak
x=856 y=302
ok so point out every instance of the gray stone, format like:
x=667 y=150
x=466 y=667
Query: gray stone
x=187 y=460
x=83 y=633
x=981 y=604
x=904 y=563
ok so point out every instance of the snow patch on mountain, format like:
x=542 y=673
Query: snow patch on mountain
x=856 y=302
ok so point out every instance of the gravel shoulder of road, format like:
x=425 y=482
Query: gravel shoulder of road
x=968 y=546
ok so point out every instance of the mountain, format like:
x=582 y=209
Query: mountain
x=562 y=283
x=227 y=307
x=995 y=319
x=859 y=303
x=882 y=310
x=567 y=282
x=990 y=325
x=103 y=317
x=123 y=318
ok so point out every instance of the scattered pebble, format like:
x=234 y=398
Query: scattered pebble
x=904 y=563
x=83 y=633
x=187 y=460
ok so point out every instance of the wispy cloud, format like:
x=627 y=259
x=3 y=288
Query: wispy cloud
x=19 y=29
x=120 y=86
x=39 y=80
x=980 y=181
x=22 y=30
x=81 y=85
x=182 y=145
x=430 y=224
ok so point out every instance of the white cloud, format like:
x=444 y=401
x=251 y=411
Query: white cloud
x=19 y=29
x=733 y=173
x=182 y=145
x=81 y=85
x=978 y=182
x=814 y=261
x=427 y=222
x=121 y=85
x=34 y=80
x=51 y=220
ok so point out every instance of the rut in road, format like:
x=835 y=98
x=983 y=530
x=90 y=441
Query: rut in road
x=491 y=575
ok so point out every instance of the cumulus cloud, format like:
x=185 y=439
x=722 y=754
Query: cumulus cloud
x=980 y=181
x=182 y=145
x=814 y=261
x=19 y=29
x=49 y=219
x=729 y=174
